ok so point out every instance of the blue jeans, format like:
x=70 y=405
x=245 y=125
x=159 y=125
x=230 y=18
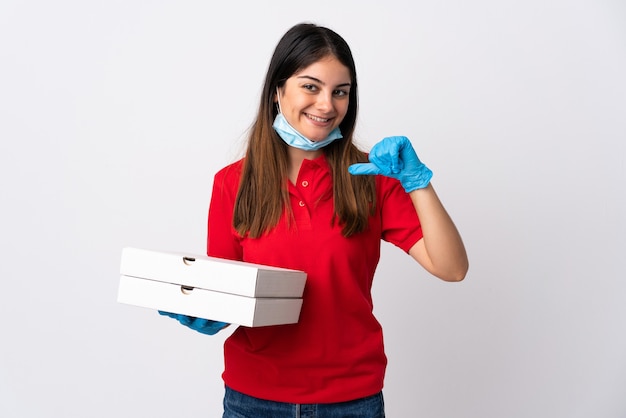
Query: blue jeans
x=238 y=405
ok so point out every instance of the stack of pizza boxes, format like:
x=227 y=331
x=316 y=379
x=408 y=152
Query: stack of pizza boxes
x=234 y=292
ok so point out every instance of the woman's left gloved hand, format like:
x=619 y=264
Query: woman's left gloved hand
x=395 y=157
x=204 y=326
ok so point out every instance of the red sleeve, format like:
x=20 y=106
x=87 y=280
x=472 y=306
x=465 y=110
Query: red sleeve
x=400 y=222
x=222 y=239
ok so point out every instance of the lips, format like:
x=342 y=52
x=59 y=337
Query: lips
x=317 y=119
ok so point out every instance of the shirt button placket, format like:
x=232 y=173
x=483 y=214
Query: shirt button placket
x=304 y=184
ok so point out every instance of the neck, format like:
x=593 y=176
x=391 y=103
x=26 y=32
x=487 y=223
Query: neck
x=296 y=156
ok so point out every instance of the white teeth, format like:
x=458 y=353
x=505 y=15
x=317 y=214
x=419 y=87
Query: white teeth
x=315 y=118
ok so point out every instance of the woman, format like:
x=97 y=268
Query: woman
x=305 y=198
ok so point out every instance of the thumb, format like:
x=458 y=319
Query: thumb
x=363 y=169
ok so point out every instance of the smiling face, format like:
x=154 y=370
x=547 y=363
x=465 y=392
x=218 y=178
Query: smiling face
x=315 y=99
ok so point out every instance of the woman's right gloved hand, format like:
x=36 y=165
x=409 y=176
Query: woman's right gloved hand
x=203 y=326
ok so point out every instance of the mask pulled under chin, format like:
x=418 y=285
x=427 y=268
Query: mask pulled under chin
x=295 y=139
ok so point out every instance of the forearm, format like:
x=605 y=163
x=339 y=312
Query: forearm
x=441 y=251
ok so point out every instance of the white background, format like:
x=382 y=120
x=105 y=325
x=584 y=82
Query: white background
x=114 y=116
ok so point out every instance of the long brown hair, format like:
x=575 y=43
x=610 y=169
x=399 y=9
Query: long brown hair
x=263 y=195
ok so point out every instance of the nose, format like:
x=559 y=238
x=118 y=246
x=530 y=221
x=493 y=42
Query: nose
x=325 y=102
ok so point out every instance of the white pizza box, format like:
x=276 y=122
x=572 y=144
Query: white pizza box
x=208 y=304
x=210 y=273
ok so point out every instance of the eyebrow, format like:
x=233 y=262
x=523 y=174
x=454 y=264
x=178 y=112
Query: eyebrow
x=321 y=82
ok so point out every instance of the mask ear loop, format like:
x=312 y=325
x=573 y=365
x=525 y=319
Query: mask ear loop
x=280 y=110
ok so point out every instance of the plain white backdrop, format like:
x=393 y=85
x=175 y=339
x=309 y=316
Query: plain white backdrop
x=115 y=115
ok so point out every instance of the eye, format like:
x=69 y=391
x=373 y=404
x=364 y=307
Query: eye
x=340 y=93
x=309 y=87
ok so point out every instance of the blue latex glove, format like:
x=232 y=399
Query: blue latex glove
x=395 y=157
x=204 y=326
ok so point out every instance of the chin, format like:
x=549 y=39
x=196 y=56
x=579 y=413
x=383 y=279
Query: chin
x=318 y=137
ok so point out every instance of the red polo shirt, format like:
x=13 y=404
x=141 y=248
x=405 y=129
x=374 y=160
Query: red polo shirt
x=335 y=352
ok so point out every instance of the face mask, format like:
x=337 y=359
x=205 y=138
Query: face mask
x=295 y=139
